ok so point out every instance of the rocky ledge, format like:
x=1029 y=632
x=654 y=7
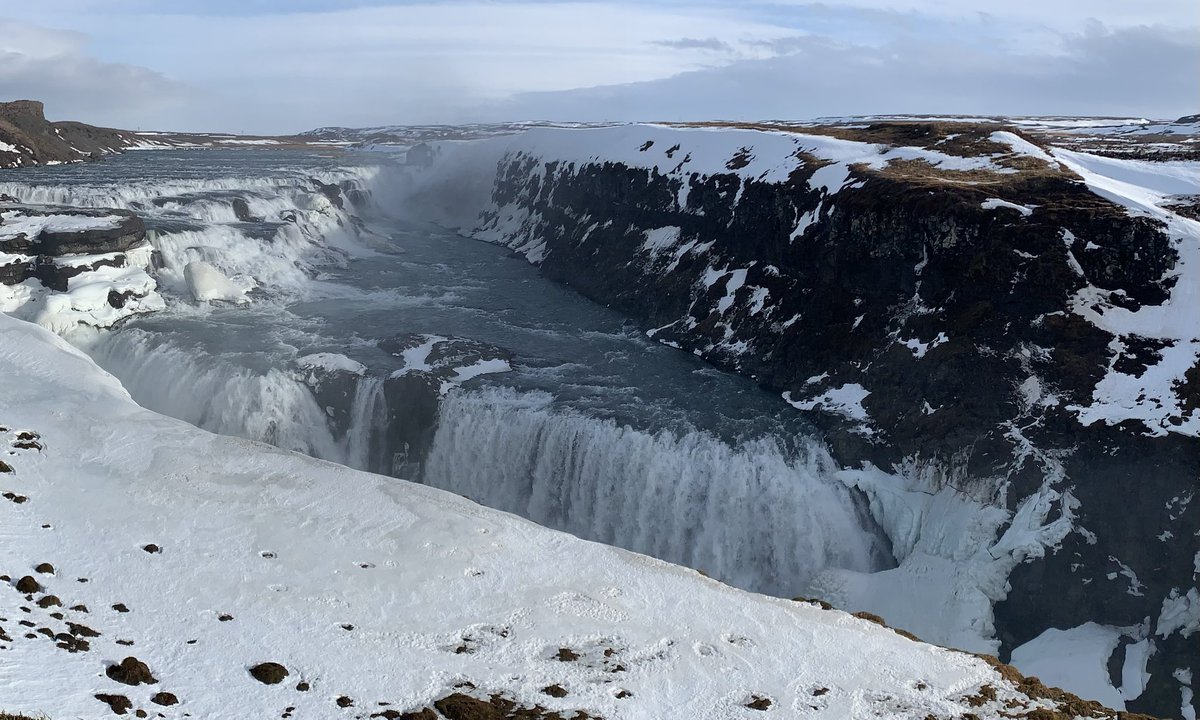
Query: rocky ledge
x=63 y=267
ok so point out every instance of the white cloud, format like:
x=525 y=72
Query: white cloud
x=52 y=66
x=1064 y=15
x=1137 y=71
x=417 y=62
x=276 y=66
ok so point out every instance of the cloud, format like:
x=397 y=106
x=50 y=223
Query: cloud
x=1139 y=71
x=284 y=66
x=411 y=62
x=52 y=66
x=711 y=43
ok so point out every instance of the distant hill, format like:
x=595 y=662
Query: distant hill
x=27 y=138
x=414 y=134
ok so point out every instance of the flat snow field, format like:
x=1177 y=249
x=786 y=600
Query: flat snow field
x=372 y=589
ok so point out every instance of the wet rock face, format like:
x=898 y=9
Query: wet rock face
x=433 y=364
x=955 y=318
x=126 y=230
x=411 y=395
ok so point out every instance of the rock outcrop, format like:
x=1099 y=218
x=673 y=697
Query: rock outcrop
x=950 y=303
x=410 y=395
x=65 y=266
x=27 y=138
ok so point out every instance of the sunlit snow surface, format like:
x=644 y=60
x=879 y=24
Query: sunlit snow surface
x=1152 y=398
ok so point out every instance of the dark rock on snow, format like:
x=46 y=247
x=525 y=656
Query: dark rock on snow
x=269 y=673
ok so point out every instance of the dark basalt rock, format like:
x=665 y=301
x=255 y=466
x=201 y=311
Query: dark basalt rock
x=894 y=257
x=130 y=231
x=460 y=706
x=333 y=192
x=124 y=231
x=412 y=398
x=269 y=673
x=52 y=257
x=55 y=275
x=119 y=704
x=131 y=671
x=28 y=585
x=241 y=209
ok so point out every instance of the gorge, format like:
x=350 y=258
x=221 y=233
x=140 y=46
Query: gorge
x=943 y=373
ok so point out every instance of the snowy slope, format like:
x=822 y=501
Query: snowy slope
x=375 y=590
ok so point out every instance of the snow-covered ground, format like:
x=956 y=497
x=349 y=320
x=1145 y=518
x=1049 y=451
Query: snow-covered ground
x=203 y=556
x=1153 y=397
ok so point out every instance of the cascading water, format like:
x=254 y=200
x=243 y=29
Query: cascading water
x=748 y=515
x=242 y=394
x=365 y=448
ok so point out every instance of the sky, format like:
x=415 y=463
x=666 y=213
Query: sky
x=283 y=66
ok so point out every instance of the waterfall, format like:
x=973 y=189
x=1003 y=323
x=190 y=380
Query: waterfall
x=217 y=393
x=265 y=195
x=223 y=394
x=751 y=514
x=366 y=447
x=748 y=515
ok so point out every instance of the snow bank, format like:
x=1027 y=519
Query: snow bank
x=208 y=284
x=1075 y=660
x=1152 y=397
x=331 y=363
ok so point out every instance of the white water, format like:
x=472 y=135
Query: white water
x=282 y=264
x=747 y=515
x=220 y=394
x=266 y=196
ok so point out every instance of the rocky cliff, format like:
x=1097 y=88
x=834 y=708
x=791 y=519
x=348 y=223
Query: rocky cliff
x=27 y=138
x=999 y=341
